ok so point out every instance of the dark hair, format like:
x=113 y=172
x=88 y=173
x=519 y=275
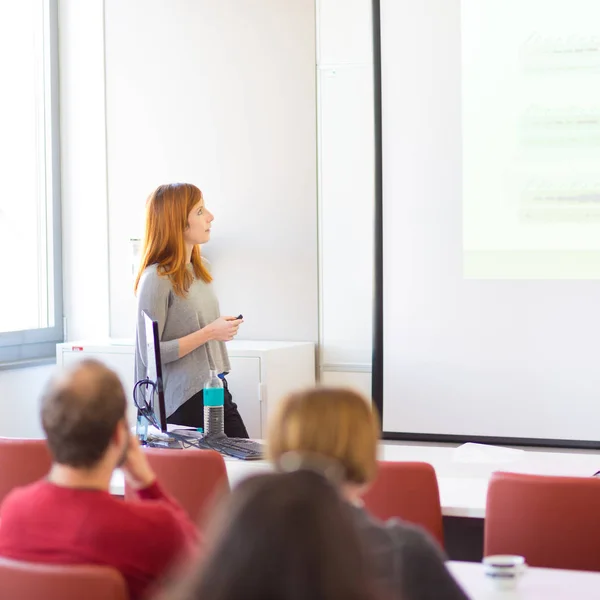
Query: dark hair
x=286 y=536
x=80 y=412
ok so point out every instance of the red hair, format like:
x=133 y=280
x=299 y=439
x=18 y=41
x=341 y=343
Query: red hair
x=167 y=210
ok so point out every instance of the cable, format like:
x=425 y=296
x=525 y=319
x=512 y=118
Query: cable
x=145 y=408
x=188 y=442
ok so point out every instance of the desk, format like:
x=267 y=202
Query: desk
x=535 y=584
x=463 y=472
x=236 y=471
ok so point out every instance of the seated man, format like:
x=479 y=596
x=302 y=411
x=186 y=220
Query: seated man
x=70 y=517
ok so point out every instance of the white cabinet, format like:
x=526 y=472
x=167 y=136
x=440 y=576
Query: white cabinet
x=262 y=373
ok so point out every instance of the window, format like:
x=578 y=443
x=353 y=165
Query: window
x=31 y=290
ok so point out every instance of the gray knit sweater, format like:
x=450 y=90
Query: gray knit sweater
x=178 y=317
x=407 y=562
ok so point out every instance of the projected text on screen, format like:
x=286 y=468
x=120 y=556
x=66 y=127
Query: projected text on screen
x=531 y=139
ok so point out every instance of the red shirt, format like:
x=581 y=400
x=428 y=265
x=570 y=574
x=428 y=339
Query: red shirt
x=50 y=524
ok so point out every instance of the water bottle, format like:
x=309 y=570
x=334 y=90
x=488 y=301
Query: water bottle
x=141 y=428
x=214 y=400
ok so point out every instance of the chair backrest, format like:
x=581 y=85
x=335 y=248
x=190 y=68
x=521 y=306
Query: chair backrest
x=409 y=491
x=552 y=521
x=22 y=462
x=193 y=477
x=25 y=581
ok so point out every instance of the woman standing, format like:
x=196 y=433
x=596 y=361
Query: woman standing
x=173 y=286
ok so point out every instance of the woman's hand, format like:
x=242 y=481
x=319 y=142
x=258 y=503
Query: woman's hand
x=225 y=329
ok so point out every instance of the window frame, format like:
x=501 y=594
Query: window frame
x=38 y=346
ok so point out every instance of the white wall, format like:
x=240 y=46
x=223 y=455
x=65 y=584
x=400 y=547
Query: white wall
x=83 y=168
x=244 y=129
x=221 y=94
x=84 y=205
x=20 y=390
x=346 y=190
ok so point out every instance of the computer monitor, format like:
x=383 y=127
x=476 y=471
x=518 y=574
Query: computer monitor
x=154 y=373
x=155 y=400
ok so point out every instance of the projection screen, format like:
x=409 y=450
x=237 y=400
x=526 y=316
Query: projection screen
x=488 y=239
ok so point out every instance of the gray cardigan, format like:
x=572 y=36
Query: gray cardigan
x=407 y=562
x=178 y=317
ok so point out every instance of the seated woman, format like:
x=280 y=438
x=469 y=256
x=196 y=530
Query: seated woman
x=340 y=425
x=282 y=537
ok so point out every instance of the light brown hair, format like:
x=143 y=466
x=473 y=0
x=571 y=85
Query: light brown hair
x=80 y=412
x=337 y=424
x=167 y=212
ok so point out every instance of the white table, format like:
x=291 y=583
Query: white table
x=535 y=584
x=236 y=471
x=463 y=472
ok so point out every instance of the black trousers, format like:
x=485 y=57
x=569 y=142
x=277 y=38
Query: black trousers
x=191 y=414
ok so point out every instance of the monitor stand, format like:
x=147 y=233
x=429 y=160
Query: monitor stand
x=150 y=436
x=171 y=444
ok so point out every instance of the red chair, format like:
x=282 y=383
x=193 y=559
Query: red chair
x=22 y=462
x=408 y=490
x=552 y=521
x=26 y=581
x=193 y=477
